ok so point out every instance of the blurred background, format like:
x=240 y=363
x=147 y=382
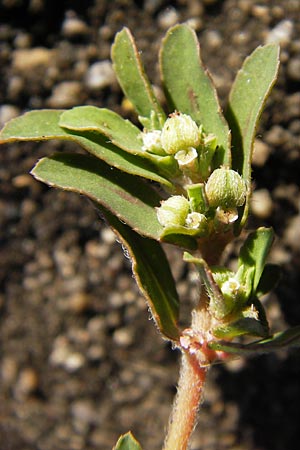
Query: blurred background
x=80 y=359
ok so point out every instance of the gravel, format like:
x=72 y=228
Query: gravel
x=80 y=360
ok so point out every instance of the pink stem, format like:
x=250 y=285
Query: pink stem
x=188 y=399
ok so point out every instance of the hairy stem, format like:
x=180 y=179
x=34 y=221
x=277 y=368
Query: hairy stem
x=185 y=409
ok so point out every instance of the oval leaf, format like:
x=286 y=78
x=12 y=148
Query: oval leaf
x=44 y=125
x=189 y=89
x=153 y=275
x=247 y=98
x=254 y=253
x=268 y=280
x=133 y=80
x=127 y=442
x=119 y=131
x=130 y=199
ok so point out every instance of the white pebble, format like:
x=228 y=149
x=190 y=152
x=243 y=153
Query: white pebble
x=261 y=203
x=292 y=234
x=66 y=94
x=8 y=112
x=281 y=33
x=168 y=18
x=123 y=337
x=261 y=153
x=25 y=60
x=100 y=75
x=213 y=39
x=72 y=26
x=64 y=356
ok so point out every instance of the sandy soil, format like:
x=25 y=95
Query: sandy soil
x=80 y=360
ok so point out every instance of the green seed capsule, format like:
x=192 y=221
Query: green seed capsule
x=179 y=133
x=225 y=188
x=173 y=211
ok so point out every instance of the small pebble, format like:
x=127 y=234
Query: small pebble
x=108 y=236
x=96 y=352
x=73 y=26
x=8 y=112
x=195 y=23
x=78 y=302
x=152 y=6
x=22 y=40
x=261 y=12
x=123 y=337
x=66 y=94
x=64 y=356
x=16 y=86
x=27 y=382
x=261 y=153
x=293 y=69
x=213 y=39
x=9 y=370
x=168 y=18
x=261 y=203
x=292 y=105
x=100 y=75
x=276 y=135
x=83 y=410
x=25 y=60
x=281 y=33
x=96 y=327
x=292 y=233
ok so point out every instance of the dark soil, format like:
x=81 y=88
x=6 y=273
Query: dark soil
x=80 y=360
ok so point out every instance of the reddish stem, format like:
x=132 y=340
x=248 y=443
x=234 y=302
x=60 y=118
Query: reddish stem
x=188 y=399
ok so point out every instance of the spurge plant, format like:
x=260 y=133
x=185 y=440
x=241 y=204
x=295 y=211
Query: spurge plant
x=183 y=179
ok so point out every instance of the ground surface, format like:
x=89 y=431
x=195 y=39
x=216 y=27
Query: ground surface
x=80 y=360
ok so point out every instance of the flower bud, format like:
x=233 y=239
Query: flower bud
x=196 y=221
x=152 y=142
x=173 y=211
x=225 y=188
x=179 y=132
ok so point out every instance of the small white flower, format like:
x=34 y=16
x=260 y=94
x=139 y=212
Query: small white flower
x=152 y=141
x=186 y=158
x=196 y=221
x=230 y=287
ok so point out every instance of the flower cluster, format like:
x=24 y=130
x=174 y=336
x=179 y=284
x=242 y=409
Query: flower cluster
x=210 y=197
x=187 y=143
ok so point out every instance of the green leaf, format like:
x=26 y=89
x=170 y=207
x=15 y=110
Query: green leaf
x=283 y=339
x=268 y=280
x=251 y=321
x=189 y=89
x=180 y=240
x=253 y=254
x=44 y=125
x=247 y=98
x=132 y=200
x=133 y=80
x=119 y=131
x=127 y=442
x=39 y=125
x=243 y=326
x=153 y=275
